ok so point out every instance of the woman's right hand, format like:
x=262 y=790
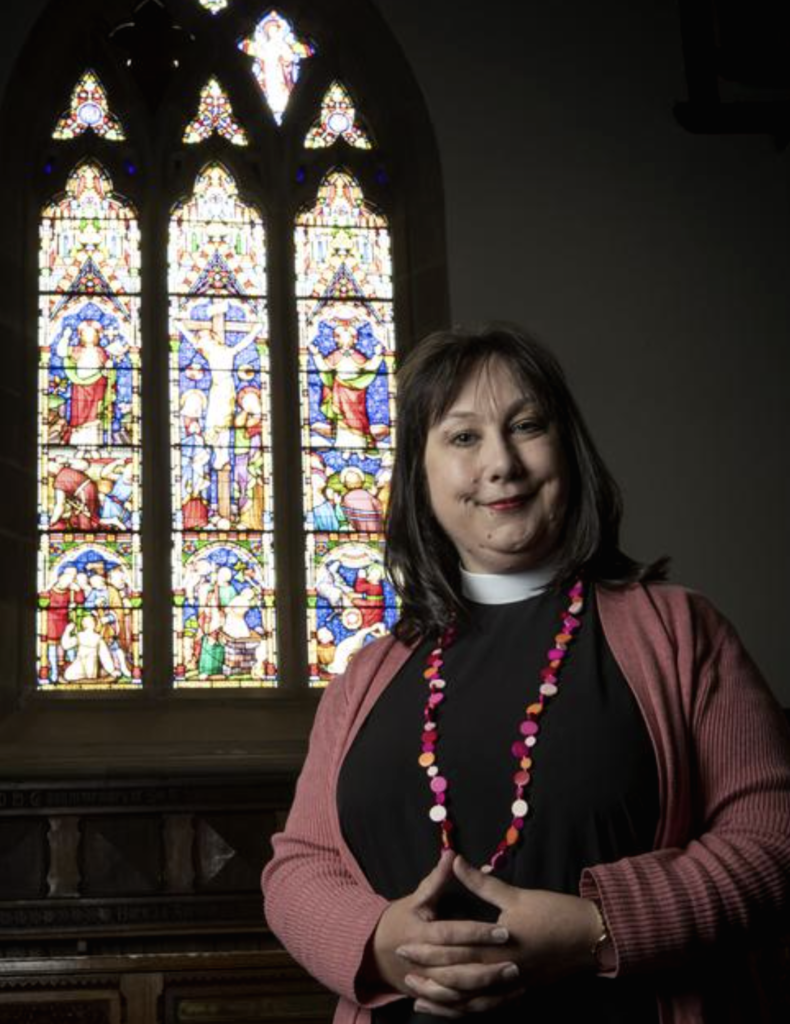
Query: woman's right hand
x=412 y=919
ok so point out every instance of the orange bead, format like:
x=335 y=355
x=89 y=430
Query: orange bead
x=511 y=836
x=534 y=709
x=426 y=760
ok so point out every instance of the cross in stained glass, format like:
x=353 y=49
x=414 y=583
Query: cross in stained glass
x=208 y=337
x=215 y=114
x=336 y=120
x=89 y=111
x=277 y=55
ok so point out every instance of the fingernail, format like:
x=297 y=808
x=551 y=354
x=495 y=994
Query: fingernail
x=500 y=935
x=510 y=971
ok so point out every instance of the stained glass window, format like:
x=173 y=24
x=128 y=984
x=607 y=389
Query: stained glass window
x=337 y=120
x=214 y=6
x=277 y=55
x=89 y=567
x=215 y=114
x=223 y=568
x=346 y=356
x=89 y=111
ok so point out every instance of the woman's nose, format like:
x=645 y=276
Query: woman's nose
x=501 y=458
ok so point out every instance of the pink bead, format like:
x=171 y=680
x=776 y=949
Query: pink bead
x=439 y=784
x=435 y=698
x=529 y=728
x=555 y=654
x=548 y=675
x=519 y=749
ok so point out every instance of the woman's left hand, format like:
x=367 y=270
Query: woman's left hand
x=551 y=936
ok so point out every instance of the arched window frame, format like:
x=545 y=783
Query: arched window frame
x=401 y=176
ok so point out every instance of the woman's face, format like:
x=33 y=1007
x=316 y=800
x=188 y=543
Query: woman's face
x=497 y=479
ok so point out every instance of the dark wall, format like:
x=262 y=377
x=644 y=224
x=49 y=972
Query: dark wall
x=655 y=261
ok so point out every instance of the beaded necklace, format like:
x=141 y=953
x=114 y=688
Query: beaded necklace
x=521 y=749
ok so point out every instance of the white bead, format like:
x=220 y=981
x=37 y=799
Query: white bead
x=520 y=808
x=433 y=771
x=531 y=741
x=437 y=813
x=548 y=689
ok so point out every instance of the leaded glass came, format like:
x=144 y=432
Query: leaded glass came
x=89 y=111
x=346 y=362
x=277 y=55
x=338 y=119
x=89 y=566
x=223 y=558
x=214 y=114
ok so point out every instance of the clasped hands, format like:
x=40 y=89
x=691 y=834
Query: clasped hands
x=451 y=968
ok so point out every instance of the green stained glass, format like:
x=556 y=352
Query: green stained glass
x=337 y=120
x=89 y=580
x=214 y=6
x=222 y=502
x=346 y=367
x=277 y=55
x=214 y=115
x=89 y=111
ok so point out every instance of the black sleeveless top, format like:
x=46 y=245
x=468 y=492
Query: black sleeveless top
x=593 y=796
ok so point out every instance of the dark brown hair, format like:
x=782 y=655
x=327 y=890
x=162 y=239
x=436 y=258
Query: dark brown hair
x=421 y=559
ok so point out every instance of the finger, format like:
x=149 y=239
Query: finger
x=463 y=933
x=426 y=955
x=488 y=888
x=482 y=1004
x=423 y=987
x=436 y=1009
x=474 y=979
x=433 y=883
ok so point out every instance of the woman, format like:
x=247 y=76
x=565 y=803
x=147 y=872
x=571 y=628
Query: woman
x=591 y=749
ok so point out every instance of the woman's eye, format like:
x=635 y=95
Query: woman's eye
x=463 y=438
x=528 y=427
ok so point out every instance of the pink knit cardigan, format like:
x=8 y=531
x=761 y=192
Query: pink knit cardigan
x=720 y=866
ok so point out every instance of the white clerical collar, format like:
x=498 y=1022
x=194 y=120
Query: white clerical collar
x=506 y=587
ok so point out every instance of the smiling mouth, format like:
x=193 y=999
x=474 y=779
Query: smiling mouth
x=508 y=504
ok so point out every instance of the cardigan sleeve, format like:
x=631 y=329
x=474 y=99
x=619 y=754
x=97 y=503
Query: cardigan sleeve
x=321 y=913
x=733 y=875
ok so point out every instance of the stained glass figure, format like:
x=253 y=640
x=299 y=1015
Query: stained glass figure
x=224 y=610
x=89 y=611
x=215 y=114
x=89 y=622
x=347 y=352
x=221 y=440
x=214 y=6
x=277 y=55
x=89 y=111
x=350 y=600
x=337 y=120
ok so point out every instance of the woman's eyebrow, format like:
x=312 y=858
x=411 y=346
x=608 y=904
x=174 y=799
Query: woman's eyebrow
x=522 y=405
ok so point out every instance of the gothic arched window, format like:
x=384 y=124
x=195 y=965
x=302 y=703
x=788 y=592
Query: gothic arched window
x=230 y=223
